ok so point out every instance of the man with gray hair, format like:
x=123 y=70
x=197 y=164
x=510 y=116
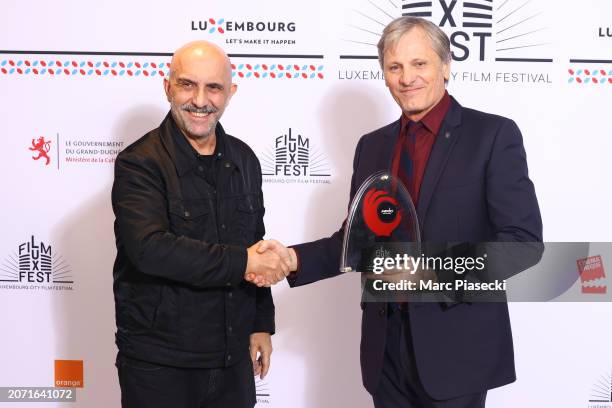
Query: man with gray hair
x=466 y=172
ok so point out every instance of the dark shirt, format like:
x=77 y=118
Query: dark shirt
x=199 y=168
x=416 y=139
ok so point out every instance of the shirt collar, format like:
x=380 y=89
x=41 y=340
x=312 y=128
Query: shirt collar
x=186 y=156
x=433 y=119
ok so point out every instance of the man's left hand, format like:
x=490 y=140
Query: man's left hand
x=260 y=343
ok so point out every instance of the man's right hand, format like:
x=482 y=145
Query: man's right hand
x=266 y=268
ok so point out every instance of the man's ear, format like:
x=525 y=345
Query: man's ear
x=446 y=67
x=232 y=91
x=167 y=88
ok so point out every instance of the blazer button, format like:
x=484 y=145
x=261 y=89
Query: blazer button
x=382 y=311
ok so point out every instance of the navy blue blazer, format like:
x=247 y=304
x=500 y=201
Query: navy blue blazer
x=475 y=188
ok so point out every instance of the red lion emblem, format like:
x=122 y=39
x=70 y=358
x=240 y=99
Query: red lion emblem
x=42 y=148
x=371 y=204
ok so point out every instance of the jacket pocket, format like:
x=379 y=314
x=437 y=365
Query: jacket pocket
x=248 y=211
x=188 y=218
x=167 y=311
x=143 y=305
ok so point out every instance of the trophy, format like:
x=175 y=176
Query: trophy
x=381 y=228
x=381 y=218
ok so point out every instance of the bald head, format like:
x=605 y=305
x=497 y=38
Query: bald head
x=199 y=88
x=203 y=50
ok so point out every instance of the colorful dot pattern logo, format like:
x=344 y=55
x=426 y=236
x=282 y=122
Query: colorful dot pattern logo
x=278 y=71
x=590 y=76
x=88 y=68
x=83 y=68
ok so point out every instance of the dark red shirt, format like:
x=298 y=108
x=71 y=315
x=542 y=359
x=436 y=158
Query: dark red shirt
x=416 y=139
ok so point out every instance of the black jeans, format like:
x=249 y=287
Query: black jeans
x=148 y=385
x=400 y=386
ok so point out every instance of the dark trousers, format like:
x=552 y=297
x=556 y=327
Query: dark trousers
x=147 y=385
x=400 y=386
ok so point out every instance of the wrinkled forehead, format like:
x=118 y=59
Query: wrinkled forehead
x=416 y=39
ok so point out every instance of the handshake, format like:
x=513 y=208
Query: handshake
x=269 y=262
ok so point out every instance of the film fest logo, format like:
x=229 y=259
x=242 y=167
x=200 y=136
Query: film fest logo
x=41 y=148
x=601 y=392
x=35 y=265
x=292 y=158
x=592 y=275
x=470 y=23
x=478 y=30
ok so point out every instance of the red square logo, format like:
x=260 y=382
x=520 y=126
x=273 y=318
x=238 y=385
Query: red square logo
x=592 y=275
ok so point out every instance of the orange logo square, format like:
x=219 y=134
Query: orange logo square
x=69 y=373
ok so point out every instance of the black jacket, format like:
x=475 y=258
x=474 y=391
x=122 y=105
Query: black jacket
x=180 y=294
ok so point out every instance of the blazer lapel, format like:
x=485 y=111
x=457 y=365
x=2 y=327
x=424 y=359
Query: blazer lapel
x=450 y=131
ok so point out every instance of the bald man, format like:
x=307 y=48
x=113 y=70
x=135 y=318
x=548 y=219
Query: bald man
x=191 y=331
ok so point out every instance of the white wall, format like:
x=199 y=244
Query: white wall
x=561 y=349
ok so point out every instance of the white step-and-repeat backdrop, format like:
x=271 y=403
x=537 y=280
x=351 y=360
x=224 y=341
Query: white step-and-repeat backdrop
x=80 y=81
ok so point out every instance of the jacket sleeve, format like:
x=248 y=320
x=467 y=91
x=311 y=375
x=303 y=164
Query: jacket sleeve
x=264 y=305
x=513 y=213
x=264 y=311
x=512 y=206
x=142 y=229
